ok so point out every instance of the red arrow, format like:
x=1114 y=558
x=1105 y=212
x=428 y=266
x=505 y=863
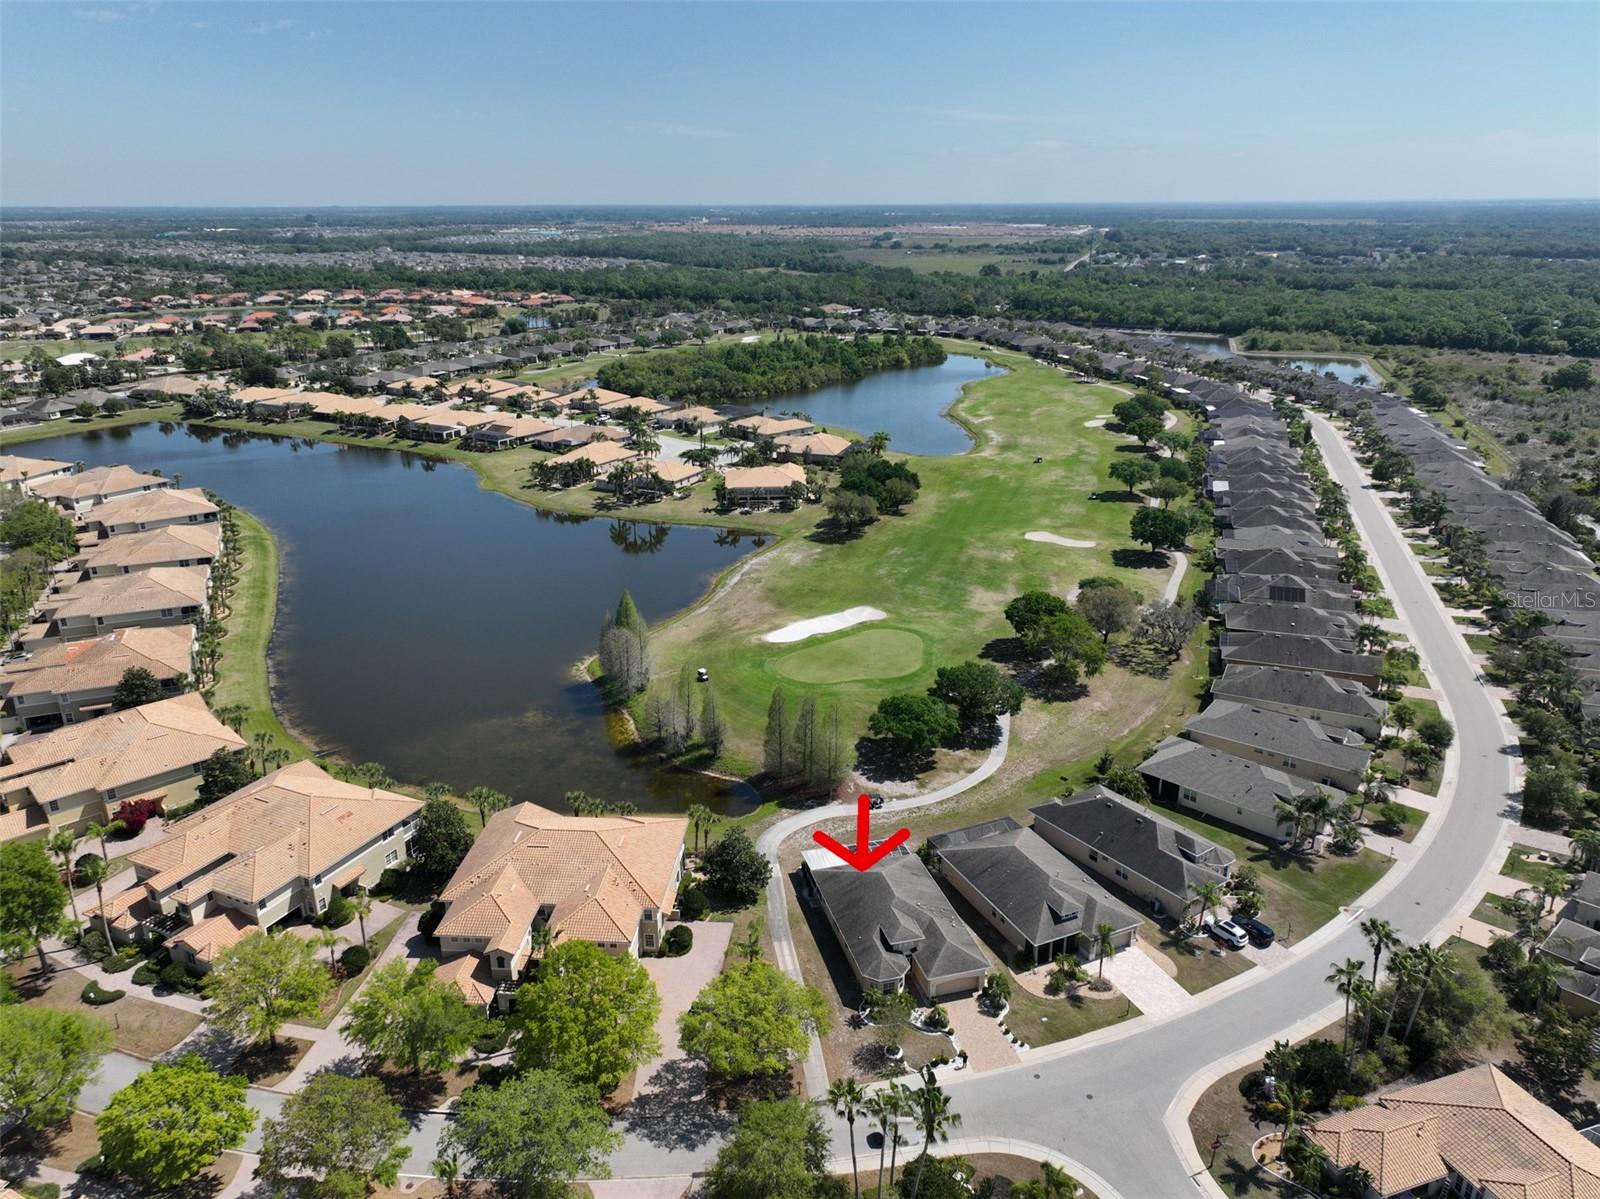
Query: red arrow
x=863 y=856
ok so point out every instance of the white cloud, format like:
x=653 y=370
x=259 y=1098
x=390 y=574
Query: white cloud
x=277 y=26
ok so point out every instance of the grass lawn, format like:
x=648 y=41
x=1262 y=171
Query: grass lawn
x=875 y=653
x=1038 y=1021
x=943 y=571
x=1490 y=911
x=1480 y=643
x=377 y=941
x=1413 y=818
x=141 y=1027
x=1532 y=871
x=242 y=669
x=68 y=425
x=1302 y=893
x=1197 y=959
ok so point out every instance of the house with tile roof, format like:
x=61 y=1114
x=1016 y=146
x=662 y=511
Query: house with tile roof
x=762 y=484
x=78 y=493
x=170 y=545
x=26 y=473
x=612 y=880
x=1133 y=847
x=281 y=846
x=896 y=927
x=69 y=681
x=162 y=595
x=1472 y=1133
x=152 y=510
x=75 y=775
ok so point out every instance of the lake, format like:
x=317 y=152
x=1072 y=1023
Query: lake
x=908 y=405
x=431 y=625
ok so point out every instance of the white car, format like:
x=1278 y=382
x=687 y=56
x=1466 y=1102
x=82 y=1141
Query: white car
x=1227 y=932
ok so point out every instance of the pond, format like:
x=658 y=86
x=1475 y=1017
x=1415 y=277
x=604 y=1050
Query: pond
x=1346 y=370
x=908 y=405
x=432 y=626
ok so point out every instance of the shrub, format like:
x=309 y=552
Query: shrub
x=355 y=959
x=97 y=996
x=430 y=920
x=390 y=882
x=496 y=1033
x=134 y=814
x=39 y=1190
x=125 y=958
x=175 y=977
x=147 y=974
x=78 y=878
x=678 y=941
x=692 y=903
x=92 y=945
x=340 y=912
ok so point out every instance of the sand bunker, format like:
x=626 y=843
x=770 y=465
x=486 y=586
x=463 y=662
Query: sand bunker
x=1054 y=540
x=801 y=629
x=1096 y=422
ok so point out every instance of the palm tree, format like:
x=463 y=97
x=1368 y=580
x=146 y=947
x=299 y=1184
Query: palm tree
x=934 y=1117
x=96 y=873
x=1104 y=944
x=326 y=938
x=540 y=940
x=1381 y=936
x=1435 y=963
x=1586 y=846
x=880 y=1105
x=1207 y=896
x=1344 y=979
x=1056 y=1183
x=903 y=1099
x=848 y=1099
x=61 y=843
x=1292 y=1101
x=1406 y=972
x=259 y=744
x=102 y=831
x=750 y=947
x=361 y=904
x=701 y=818
x=878 y=442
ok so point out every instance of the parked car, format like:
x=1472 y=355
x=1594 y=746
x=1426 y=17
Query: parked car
x=875 y=802
x=1226 y=932
x=1261 y=935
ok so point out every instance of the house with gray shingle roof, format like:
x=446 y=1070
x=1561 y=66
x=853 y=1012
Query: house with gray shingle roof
x=895 y=926
x=1132 y=847
x=1303 y=747
x=1039 y=902
x=1299 y=653
x=1209 y=782
x=1336 y=702
x=1300 y=620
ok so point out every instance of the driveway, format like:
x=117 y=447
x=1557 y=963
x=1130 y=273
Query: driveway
x=986 y=1046
x=1141 y=979
x=679 y=980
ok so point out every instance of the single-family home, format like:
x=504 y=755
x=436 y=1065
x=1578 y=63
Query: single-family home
x=813 y=447
x=1583 y=901
x=170 y=545
x=162 y=595
x=68 y=681
x=1317 y=654
x=78 y=493
x=279 y=846
x=666 y=476
x=565 y=437
x=612 y=880
x=605 y=455
x=769 y=426
x=1474 y=1133
x=762 y=484
x=76 y=775
x=26 y=473
x=1133 y=847
x=1339 y=703
x=1197 y=778
x=895 y=926
x=1035 y=897
x=1298 y=744
x=504 y=431
x=154 y=510
x=693 y=419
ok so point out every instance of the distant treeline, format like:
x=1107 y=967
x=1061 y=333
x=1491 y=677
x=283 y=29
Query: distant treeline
x=747 y=374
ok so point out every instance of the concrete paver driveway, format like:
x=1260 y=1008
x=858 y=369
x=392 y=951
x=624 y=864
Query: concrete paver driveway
x=679 y=980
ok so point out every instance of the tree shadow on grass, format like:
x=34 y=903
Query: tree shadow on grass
x=1120 y=496
x=1139 y=658
x=828 y=533
x=878 y=761
x=1134 y=559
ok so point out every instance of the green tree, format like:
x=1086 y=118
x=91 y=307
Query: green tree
x=223 y=773
x=173 y=1121
x=1131 y=471
x=46 y=1058
x=1109 y=609
x=935 y=1118
x=137 y=686
x=408 y=1016
x=443 y=838
x=1073 y=647
x=751 y=1021
x=1558 y=1050
x=847 y=1099
x=334 y=1139
x=978 y=692
x=735 y=868
x=33 y=900
x=535 y=1133
x=713 y=732
x=588 y=1016
x=913 y=723
x=778 y=1151
x=63 y=841
x=488 y=801
x=628 y=615
x=1032 y=608
x=1437 y=733
x=259 y=984
x=1159 y=528
x=1344 y=980
x=851 y=511
x=777 y=757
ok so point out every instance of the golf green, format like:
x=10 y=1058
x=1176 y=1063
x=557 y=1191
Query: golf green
x=868 y=654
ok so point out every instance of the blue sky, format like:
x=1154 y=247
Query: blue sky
x=507 y=103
